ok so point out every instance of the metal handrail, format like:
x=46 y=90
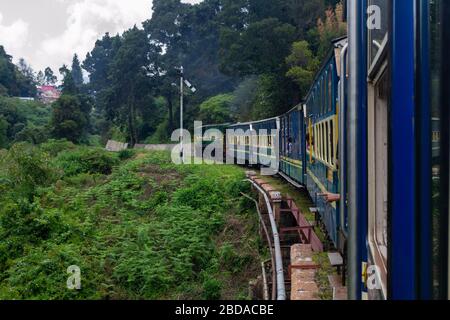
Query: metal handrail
x=281 y=289
x=271 y=248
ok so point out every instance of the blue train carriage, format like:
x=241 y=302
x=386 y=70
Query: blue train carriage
x=293 y=145
x=205 y=136
x=398 y=151
x=322 y=131
x=264 y=143
x=238 y=143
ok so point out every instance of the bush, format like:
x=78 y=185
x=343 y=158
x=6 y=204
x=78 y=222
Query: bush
x=85 y=160
x=54 y=147
x=26 y=168
x=126 y=154
x=212 y=289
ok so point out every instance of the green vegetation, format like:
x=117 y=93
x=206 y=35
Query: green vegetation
x=138 y=226
x=23 y=121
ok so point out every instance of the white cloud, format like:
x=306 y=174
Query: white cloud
x=14 y=36
x=87 y=21
x=44 y=41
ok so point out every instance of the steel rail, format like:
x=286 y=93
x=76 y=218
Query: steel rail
x=281 y=289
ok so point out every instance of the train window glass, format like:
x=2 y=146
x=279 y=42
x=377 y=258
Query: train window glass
x=330 y=89
x=324 y=100
x=317 y=150
x=327 y=143
x=316 y=142
x=316 y=134
x=325 y=91
x=322 y=133
x=319 y=93
x=319 y=128
x=314 y=146
x=378 y=153
x=322 y=143
x=378 y=14
x=332 y=162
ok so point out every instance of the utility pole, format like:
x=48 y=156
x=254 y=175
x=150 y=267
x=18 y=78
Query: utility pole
x=193 y=90
x=181 y=111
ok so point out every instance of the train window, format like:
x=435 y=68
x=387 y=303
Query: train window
x=317 y=150
x=377 y=36
x=330 y=89
x=322 y=133
x=324 y=100
x=327 y=143
x=314 y=147
x=321 y=141
x=378 y=187
x=317 y=147
x=247 y=140
x=269 y=141
x=318 y=141
x=333 y=158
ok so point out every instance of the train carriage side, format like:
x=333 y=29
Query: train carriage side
x=292 y=145
x=206 y=135
x=264 y=142
x=322 y=141
x=238 y=142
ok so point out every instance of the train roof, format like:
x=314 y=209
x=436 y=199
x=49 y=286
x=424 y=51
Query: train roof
x=337 y=43
x=214 y=125
x=254 y=122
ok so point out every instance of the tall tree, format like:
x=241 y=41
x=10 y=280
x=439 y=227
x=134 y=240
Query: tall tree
x=98 y=61
x=131 y=74
x=50 y=78
x=15 y=80
x=40 y=78
x=303 y=66
x=25 y=69
x=71 y=113
x=77 y=73
x=70 y=118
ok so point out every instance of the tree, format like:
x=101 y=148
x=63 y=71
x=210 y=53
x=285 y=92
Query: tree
x=50 y=78
x=8 y=82
x=64 y=70
x=303 y=66
x=3 y=132
x=217 y=109
x=131 y=74
x=68 y=86
x=331 y=28
x=25 y=69
x=40 y=78
x=98 y=61
x=70 y=118
x=261 y=48
x=77 y=73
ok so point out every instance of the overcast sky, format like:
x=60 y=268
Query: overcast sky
x=49 y=32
